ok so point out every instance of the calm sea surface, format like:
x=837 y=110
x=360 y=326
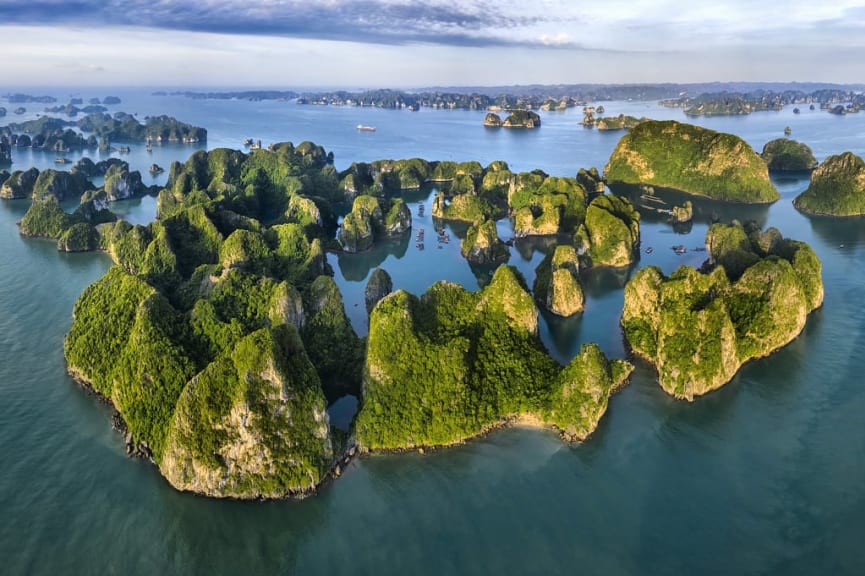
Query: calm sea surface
x=766 y=476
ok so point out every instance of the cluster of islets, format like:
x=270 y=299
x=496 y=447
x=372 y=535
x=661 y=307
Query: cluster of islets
x=219 y=334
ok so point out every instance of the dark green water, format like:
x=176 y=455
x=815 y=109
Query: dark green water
x=766 y=476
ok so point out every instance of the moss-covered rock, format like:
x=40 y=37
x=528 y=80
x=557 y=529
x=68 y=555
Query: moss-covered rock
x=80 y=237
x=837 y=188
x=684 y=213
x=699 y=328
x=46 y=219
x=557 y=282
x=591 y=180
x=785 y=155
x=552 y=206
x=620 y=122
x=493 y=120
x=360 y=226
x=19 y=184
x=692 y=160
x=121 y=184
x=252 y=424
x=482 y=244
x=522 y=119
x=62 y=185
x=610 y=235
x=463 y=208
x=581 y=393
x=378 y=286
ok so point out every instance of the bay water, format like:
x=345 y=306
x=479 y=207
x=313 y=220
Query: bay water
x=765 y=476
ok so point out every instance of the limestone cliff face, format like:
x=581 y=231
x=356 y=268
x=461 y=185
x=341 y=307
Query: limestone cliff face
x=522 y=119
x=371 y=218
x=253 y=424
x=684 y=213
x=492 y=120
x=482 y=244
x=693 y=160
x=581 y=395
x=698 y=329
x=837 y=188
x=610 y=236
x=121 y=184
x=358 y=227
x=557 y=282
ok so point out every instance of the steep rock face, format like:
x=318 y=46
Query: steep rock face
x=253 y=424
x=121 y=184
x=378 y=286
x=492 y=120
x=620 y=122
x=359 y=226
x=582 y=391
x=482 y=244
x=557 y=282
x=548 y=206
x=690 y=159
x=397 y=220
x=684 y=213
x=591 y=180
x=522 y=119
x=699 y=328
x=785 y=155
x=19 y=184
x=371 y=218
x=451 y=364
x=610 y=235
x=837 y=188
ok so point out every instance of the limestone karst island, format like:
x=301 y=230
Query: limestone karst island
x=219 y=334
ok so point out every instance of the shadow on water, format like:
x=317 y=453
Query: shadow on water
x=839 y=231
x=602 y=280
x=563 y=333
x=654 y=203
x=220 y=536
x=356 y=267
x=528 y=246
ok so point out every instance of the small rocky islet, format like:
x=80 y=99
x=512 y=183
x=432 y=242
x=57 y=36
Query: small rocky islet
x=219 y=334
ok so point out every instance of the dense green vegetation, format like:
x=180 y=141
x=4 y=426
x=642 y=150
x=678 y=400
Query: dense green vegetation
x=371 y=218
x=557 y=282
x=690 y=159
x=785 y=155
x=451 y=364
x=482 y=244
x=698 y=328
x=837 y=188
x=610 y=235
x=219 y=335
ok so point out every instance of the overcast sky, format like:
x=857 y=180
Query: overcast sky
x=408 y=43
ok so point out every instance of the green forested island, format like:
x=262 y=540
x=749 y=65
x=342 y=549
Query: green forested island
x=690 y=159
x=698 y=327
x=785 y=155
x=219 y=333
x=837 y=188
x=472 y=361
x=99 y=129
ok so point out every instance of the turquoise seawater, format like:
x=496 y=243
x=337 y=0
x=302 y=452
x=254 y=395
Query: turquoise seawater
x=765 y=476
